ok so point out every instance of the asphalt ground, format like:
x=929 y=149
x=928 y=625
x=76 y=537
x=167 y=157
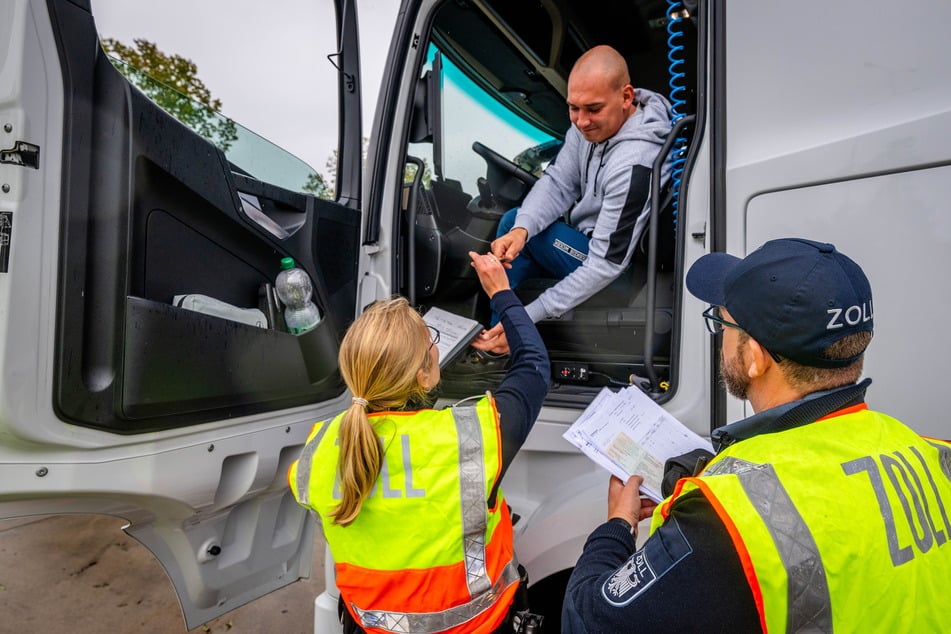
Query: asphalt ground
x=81 y=574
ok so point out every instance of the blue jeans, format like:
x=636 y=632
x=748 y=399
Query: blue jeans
x=554 y=253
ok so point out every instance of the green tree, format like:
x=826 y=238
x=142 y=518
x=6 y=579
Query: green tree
x=172 y=82
x=318 y=186
x=409 y=174
x=322 y=186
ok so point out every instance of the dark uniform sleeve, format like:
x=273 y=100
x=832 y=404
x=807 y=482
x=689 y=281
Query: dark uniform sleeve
x=520 y=396
x=687 y=577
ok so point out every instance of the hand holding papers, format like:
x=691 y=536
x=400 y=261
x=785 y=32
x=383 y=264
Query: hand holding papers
x=627 y=433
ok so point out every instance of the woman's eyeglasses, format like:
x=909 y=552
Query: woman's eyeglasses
x=433 y=336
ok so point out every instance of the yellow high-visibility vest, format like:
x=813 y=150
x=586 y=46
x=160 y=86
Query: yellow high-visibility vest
x=840 y=525
x=424 y=554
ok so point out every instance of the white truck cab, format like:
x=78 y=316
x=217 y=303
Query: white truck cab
x=829 y=121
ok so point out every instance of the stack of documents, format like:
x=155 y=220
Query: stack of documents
x=627 y=433
x=455 y=332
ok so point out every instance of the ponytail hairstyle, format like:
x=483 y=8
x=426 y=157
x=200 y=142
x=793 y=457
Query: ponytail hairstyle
x=379 y=358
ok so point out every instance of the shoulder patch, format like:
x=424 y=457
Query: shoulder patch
x=660 y=553
x=630 y=580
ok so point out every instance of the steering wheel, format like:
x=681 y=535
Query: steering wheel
x=502 y=165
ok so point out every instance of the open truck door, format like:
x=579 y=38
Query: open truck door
x=113 y=399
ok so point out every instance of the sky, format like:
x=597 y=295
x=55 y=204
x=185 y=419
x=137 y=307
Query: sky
x=266 y=61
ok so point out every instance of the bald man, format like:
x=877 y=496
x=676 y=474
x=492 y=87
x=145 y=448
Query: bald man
x=584 y=216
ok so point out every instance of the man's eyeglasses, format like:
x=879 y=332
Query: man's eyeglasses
x=433 y=336
x=716 y=324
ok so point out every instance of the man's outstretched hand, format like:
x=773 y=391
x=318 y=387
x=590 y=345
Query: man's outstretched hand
x=507 y=247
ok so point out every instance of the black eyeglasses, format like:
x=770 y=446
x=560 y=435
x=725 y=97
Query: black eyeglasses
x=433 y=336
x=716 y=324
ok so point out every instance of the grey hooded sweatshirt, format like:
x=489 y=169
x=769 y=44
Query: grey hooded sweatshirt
x=603 y=190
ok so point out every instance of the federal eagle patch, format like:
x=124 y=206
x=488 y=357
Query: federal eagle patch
x=660 y=554
x=629 y=580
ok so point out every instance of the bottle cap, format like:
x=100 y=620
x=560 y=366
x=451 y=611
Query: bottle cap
x=287 y=263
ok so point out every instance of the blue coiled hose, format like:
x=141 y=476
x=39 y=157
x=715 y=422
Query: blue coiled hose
x=677 y=101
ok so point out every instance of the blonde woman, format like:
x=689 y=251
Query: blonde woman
x=409 y=496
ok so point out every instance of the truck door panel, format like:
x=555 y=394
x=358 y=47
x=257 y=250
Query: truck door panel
x=155 y=198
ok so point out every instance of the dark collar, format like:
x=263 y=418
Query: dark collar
x=790 y=415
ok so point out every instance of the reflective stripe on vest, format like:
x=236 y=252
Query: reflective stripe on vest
x=307 y=458
x=807 y=591
x=944 y=454
x=471 y=479
x=406 y=622
x=863 y=517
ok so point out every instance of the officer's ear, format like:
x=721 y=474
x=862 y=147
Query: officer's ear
x=424 y=379
x=759 y=359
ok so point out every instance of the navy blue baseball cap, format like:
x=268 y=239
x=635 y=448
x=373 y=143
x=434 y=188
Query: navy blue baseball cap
x=796 y=297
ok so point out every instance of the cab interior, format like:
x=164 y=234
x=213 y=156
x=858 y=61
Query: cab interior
x=513 y=61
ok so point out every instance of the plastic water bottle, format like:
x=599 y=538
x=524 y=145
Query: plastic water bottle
x=295 y=290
